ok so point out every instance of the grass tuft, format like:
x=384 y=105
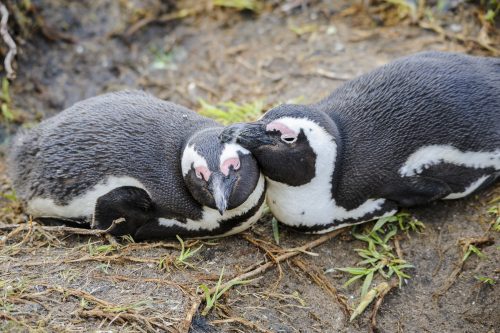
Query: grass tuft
x=211 y=298
x=186 y=253
x=123 y=308
x=11 y=196
x=253 y=5
x=485 y=280
x=494 y=211
x=403 y=220
x=472 y=250
x=231 y=112
x=379 y=257
x=97 y=250
x=303 y=29
x=6 y=101
x=493 y=10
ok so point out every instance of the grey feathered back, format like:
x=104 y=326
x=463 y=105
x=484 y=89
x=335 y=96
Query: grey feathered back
x=74 y=150
x=430 y=98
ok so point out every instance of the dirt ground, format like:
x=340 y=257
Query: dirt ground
x=54 y=281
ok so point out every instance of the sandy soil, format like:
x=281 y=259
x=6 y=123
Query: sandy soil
x=55 y=281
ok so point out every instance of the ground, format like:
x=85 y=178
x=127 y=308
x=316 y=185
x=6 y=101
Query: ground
x=56 y=281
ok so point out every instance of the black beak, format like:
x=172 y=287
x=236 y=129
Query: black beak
x=221 y=187
x=248 y=135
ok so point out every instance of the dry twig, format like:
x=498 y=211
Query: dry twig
x=397 y=246
x=259 y=244
x=321 y=280
x=76 y=293
x=63 y=229
x=373 y=321
x=252 y=326
x=6 y=316
x=102 y=258
x=13 y=233
x=144 y=322
x=464 y=243
x=115 y=278
x=11 y=74
x=457 y=37
x=186 y=323
x=292 y=253
x=162 y=19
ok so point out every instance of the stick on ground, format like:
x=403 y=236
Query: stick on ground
x=11 y=74
x=261 y=269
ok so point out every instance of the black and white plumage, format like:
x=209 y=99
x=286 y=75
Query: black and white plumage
x=422 y=128
x=130 y=155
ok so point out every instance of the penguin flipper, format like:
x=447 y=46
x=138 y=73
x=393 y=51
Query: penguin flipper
x=132 y=204
x=59 y=221
x=492 y=179
x=415 y=190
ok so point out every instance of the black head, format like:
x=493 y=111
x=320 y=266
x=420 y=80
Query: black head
x=219 y=175
x=286 y=142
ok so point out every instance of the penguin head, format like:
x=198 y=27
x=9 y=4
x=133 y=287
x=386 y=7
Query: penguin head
x=219 y=175
x=287 y=142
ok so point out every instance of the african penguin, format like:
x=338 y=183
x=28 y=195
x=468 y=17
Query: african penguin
x=421 y=128
x=157 y=167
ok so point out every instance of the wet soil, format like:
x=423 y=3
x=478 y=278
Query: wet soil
x=58 y=282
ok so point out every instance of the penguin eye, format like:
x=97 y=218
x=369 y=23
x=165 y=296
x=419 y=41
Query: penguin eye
x=202 y=173
x=288 y=139
x=288 y=135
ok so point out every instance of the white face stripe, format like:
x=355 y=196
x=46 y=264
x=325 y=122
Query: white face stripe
x=321 y=142
x=191 y=157
x=312 y=204
x=436 y=154
x=81 y=206
x=277 y=125
x=211 y=217
x=231 y=150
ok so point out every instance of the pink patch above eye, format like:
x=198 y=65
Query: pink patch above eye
x=202 y=172
x=227 y=164
x=282 y=128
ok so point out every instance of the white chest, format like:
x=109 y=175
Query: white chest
x=312 y=204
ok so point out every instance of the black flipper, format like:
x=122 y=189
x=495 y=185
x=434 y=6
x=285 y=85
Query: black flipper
x=415 y=190
x=459 y=178
x=487 y=183
x=130 y=203
x=58 y=221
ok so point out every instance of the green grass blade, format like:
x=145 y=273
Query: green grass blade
x=366 y=284
x=276 y=232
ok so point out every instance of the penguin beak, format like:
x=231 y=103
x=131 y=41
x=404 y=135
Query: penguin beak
x=221 y=188
x=248 y=135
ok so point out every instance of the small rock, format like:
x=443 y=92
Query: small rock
x=339 y=47
x=331 y=30
x=455 y=27
x=79 y=49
